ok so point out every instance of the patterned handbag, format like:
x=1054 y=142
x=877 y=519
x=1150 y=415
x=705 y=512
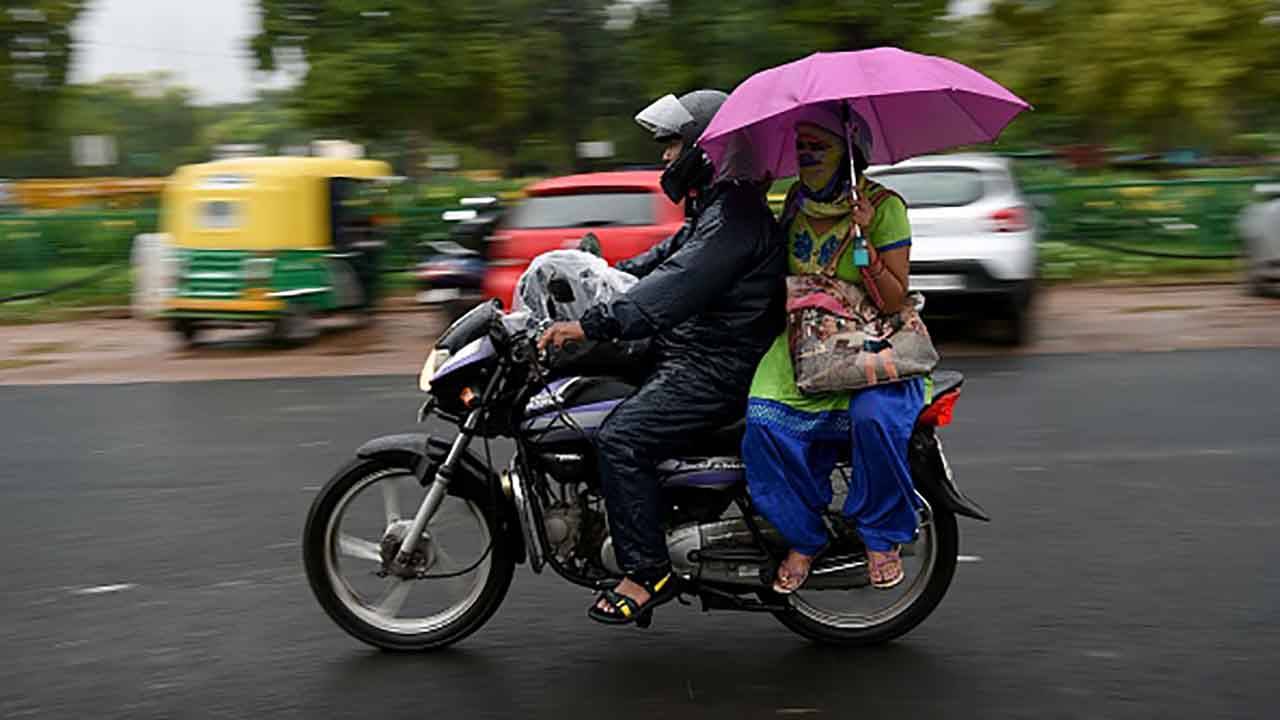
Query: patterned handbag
x=841 y=340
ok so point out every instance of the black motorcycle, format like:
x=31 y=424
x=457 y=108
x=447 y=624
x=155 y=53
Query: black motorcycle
x=413 y=544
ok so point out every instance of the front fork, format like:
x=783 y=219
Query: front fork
x=444 y=474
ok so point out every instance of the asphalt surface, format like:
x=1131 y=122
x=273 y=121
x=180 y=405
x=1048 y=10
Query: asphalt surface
x=152 y=569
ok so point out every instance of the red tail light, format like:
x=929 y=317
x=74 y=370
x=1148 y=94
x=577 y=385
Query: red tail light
x=1014 y=219
x=939 y=413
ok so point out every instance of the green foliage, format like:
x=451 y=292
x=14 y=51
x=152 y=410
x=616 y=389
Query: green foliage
x=530 y=79
x=1177 y=73
x=35 y=53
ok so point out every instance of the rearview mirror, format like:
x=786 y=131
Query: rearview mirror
x=591 y=244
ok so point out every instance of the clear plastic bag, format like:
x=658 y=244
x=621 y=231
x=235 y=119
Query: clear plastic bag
x=560 y=285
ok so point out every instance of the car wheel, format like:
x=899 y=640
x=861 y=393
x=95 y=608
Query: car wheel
x=295 y=327
x=1261 y=287
x=1014 y=314
x=188 y=331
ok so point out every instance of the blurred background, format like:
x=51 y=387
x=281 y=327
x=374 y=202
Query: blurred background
x=1152 y=139
x=215 y=214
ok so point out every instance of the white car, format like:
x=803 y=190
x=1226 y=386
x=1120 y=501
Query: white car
x=1260 y=230
x=974 y=237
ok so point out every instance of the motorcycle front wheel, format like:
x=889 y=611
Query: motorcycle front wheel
x=868 y=616
x=465 y=563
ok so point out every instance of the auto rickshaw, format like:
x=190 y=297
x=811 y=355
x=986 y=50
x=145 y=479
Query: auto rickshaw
x=275 y=240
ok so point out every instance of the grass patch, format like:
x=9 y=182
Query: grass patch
x=19 y=364
x=1068 y=262
x=45 y=348
x=1158 y=309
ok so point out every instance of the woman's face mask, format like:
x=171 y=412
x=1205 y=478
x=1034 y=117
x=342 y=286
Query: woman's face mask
x=819 y=154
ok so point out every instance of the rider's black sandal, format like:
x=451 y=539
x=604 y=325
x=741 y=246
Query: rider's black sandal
x=624 y=611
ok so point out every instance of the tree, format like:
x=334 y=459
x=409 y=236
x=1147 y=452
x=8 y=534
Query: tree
x=151 y=119
x=683 y=44
x=35 y=52
x=482 y=72
x=1097 y=70
x=271 y=120
x=522 y=76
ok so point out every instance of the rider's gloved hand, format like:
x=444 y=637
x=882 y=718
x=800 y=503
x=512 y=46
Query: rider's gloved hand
x=559 y=334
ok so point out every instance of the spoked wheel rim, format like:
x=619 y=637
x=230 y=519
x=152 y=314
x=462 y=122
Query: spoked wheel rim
x=873 y=607
x=353 y=555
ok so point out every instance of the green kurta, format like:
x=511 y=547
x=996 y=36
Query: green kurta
x=808 y=253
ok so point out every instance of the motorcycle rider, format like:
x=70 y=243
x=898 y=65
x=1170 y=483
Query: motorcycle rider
x=711 y=298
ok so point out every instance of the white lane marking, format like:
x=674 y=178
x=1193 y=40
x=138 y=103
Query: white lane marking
x=231 y=584
x=318 y=443
x=104 y=589
x=311 y=488
x=1029 y=468
x=122 y=448
x=969 y=558
x=282 y=546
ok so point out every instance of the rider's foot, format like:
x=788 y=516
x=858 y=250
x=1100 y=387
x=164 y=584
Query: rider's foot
x=792 y=573
x=885 y=568
x=631 y=589
x=634 y=601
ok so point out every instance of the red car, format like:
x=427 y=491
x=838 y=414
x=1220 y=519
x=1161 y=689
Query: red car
x=627 y=211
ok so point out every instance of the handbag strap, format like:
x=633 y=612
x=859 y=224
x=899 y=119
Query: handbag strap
x=830 y=268
x=791 y=208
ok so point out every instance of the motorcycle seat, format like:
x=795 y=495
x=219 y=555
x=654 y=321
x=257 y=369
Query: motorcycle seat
x=946 y=382
x=727 y=440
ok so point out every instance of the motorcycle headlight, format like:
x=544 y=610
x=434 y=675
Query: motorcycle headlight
x=434 y=360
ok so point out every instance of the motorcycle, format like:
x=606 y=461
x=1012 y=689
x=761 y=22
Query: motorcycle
x=471 y=522
x=450 y=276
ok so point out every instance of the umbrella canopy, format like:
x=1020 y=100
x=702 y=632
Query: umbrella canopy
x=913 y=104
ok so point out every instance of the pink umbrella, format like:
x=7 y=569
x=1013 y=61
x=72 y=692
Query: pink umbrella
x=913 y=104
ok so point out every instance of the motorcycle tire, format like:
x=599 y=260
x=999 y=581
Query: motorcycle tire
x=316 y=544
x=948 y=547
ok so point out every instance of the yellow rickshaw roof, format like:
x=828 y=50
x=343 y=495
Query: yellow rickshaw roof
x=299 y=167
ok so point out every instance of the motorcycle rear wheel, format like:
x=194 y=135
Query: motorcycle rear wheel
x=324 y=542
x=833 y=628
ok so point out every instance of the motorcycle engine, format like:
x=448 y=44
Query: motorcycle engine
x=688 y=544
x=564 y=526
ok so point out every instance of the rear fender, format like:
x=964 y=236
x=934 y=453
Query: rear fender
x=413 y=449
x=929 y=469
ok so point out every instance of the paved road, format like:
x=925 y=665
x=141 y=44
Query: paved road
x=152 y=570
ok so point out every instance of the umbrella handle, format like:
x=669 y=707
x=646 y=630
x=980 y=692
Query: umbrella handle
x=861 y=257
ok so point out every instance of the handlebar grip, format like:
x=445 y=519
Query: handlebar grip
x=571 y=346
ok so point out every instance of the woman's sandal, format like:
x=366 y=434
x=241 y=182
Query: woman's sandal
x=784 y=583
x=885 y=568
x=623 y=610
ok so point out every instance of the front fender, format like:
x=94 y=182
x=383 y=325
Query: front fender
x=483 y=487
x=408 y=443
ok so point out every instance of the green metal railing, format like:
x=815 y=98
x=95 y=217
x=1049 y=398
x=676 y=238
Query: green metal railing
x=81 y=255
x=1192 y=219
x=87 y=255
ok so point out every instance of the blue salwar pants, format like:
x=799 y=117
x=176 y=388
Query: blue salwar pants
x=790 y=455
